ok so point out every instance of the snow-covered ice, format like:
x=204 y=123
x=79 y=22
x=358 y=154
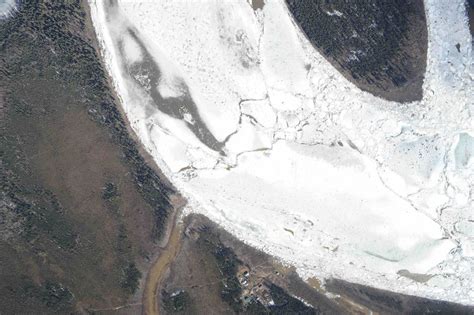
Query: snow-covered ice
x=7 y=8
x=314 y=171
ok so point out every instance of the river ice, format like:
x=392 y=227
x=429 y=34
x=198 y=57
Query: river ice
x=302 y=164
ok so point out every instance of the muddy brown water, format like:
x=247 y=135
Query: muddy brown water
x=158 y=270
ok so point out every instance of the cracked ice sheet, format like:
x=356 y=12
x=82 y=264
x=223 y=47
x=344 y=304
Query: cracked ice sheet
x=329 y=186
x=332 y=200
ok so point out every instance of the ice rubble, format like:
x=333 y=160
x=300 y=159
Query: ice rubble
x=365 y=186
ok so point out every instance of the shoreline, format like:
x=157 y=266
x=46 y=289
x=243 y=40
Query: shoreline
x=147 y=291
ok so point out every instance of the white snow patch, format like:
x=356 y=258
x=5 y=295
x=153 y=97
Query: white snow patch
x=7 y=8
